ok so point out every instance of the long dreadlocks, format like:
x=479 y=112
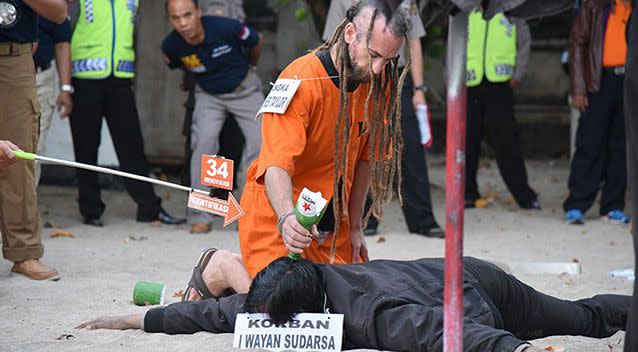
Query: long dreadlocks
x=384 y=122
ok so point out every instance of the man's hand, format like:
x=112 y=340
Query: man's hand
x=64 y=104
x=295 y=236
x=6 y=153
x=580 y=102
x=513 y=83
x=418 y=98
x=359 y=247
x=122 y=322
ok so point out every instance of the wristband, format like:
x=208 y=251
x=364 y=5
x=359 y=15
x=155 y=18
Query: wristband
x=282 y=218
x=422 y=88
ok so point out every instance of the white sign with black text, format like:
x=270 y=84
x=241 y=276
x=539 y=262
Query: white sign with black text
x=306 y=332
x=280 y=96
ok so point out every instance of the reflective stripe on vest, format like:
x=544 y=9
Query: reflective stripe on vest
x=491 y=49
x=102 y=42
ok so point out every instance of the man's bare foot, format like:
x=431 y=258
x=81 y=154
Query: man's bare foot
x=35 y=270
x=223 y=274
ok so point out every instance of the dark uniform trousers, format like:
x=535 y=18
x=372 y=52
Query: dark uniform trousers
x=415 y=185
x=631 y=128
x=19 y=123
x=490 y=113
x=112 y=98
x=600 y=150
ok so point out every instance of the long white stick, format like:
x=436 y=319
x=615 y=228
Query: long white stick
x=118 y=173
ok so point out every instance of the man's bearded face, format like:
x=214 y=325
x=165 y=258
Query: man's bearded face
x=382 y=48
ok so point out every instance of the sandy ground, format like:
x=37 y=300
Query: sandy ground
x=99 y=267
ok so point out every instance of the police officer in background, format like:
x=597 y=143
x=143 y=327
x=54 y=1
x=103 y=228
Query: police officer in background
x=497 y=57
x=19 y=114
x=103 y=66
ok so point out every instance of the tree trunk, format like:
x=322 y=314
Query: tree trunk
x=319 y=11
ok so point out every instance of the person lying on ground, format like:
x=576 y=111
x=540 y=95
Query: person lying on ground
x=393 y=305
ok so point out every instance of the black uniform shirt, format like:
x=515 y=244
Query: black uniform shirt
x=22 y=29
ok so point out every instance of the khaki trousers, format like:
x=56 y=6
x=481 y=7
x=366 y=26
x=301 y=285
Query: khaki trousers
x=19 y=114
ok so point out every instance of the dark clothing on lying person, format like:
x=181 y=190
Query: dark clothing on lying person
x=398 y=305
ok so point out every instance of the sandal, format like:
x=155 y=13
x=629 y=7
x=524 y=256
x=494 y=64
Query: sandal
x=197 y=282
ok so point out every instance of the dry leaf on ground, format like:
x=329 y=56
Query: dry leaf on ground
x=555 y=348
x=137 y=238
x=65 y=337
x=178 y=294
x=381 y=239
x=60 y=233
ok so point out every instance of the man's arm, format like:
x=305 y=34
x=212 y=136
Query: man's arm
x=358 y=194
x=578 y=47
x=523 y=48
x=255 y=52
x=279 y=190
x=216 y=316
x=63 y=64
x=121 y=322
x=416 y=72
x=7 y=156
x=54 y=10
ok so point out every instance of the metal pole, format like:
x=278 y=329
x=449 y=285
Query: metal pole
x=117 y=173
x=455 y=184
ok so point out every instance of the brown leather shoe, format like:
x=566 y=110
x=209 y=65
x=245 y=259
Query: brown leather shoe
x=35 y=270
x=200 y=227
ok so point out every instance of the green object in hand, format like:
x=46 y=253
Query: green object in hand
x=308 y=211
x=24 y=155
x=148 y=293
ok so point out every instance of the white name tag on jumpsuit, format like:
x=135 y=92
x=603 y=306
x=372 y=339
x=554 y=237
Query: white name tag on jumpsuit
x=280 y=96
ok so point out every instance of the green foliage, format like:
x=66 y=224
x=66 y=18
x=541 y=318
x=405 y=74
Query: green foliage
x=302 y=14
x=434 y=45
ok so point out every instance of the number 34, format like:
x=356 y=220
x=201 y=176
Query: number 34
x=213 y=170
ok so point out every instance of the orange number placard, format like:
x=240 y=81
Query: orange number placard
x=217 y=172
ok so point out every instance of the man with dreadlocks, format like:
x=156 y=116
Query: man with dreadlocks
x=340 y=134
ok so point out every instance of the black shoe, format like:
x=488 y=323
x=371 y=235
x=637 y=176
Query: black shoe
x=97 y=222
x=433 y=232
x=469 y=204
x=164 y=218
x=533 y=205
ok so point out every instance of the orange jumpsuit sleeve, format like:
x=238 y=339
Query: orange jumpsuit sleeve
x=284 y=135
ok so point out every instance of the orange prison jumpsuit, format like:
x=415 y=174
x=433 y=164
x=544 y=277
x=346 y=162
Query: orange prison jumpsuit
x=301 y=141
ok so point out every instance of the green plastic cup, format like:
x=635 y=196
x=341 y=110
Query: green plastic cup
x=148 y=293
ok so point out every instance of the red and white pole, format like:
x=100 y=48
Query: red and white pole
x=455 y=183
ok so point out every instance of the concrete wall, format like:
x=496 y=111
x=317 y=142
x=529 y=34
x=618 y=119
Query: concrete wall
x=159 y=97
